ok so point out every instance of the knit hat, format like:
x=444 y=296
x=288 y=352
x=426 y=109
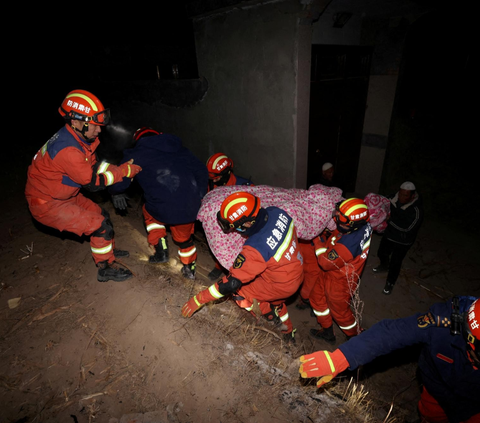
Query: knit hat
x=409 y=186
x=326 y=166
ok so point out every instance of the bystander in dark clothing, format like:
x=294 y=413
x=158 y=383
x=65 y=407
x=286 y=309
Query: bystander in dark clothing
x=406 y=216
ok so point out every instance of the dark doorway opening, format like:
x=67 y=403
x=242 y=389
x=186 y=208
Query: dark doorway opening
x=339 y=83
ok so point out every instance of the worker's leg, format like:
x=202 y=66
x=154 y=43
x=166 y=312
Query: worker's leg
x=182 y=235
x=311 y=272
x=157 y=237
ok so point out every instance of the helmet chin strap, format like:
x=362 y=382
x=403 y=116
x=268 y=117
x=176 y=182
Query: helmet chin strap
x=84 y=130
x=224 y=179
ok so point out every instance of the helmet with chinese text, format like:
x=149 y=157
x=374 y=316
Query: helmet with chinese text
x=351 y=213
x=472 y=330
x=219 y=164
x=238 y=209
x=84 y=106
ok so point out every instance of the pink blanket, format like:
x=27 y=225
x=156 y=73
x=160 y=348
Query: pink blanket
x=379 y=208
x=310 y=209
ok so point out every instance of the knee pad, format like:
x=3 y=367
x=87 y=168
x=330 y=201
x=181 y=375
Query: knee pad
x=105 y=231
x=232 y=285
x=186 y=244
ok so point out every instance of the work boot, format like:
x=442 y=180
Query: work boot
x=215 y=274
x=188 y=270
x=120 y=253
x=112 y=272
x=325 y=334
x=388 y=288
x=161 y=252
x=272 y=317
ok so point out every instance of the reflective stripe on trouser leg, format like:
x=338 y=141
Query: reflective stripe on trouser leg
x=187 y=255
x=282 y=313
x=324 y=318
x=155 y=229
x=182 y=236
x=102 y=250
x=349 y=330
x=155 y=232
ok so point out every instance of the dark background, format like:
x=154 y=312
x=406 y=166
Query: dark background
x=433 y=136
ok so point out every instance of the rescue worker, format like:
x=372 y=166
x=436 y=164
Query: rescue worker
x=174 y=182
x=269 y=267
x=404 y=221
x=449 y=363
x=341 y=255
x=65 y=164
x=220 y=173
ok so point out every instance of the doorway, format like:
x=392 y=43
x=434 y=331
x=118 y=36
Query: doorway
x=338 y=92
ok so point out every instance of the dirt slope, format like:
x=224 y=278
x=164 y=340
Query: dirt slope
x=75 y=350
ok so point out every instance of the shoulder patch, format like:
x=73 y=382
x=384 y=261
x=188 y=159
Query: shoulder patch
x=239 y=261
x=333 y=255
x=426 y=320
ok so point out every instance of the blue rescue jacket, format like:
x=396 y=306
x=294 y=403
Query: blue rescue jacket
x=446 y=371
x=173 y=180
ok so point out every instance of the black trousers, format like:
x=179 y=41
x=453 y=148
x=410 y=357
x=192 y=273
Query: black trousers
x=391 y=255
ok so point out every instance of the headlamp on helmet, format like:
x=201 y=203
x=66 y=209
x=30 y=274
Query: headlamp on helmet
x=352 y=213
x=236 y=210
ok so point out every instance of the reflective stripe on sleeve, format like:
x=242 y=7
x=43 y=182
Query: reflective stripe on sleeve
x=214 y=292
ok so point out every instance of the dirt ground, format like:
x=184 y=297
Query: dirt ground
x=76 y=350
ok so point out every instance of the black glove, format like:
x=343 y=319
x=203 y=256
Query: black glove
x=120 y=201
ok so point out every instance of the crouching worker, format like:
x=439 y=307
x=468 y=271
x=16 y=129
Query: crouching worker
x=65 y=164
x=269 y=267
x=449 y=362
x=174 y=182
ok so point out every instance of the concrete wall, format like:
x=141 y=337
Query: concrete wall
x=256 y=108
x=252 y=100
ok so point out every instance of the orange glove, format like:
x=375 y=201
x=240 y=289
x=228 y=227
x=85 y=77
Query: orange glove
x=129 y=169
x=323 y=364
x=203 y=297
